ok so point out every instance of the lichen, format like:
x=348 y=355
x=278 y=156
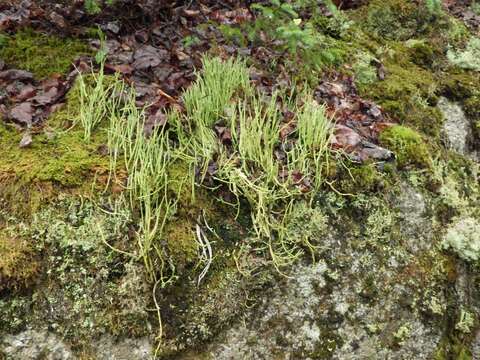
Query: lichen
x=408 y=146
x=41 y=54
x=465 y=322
x=468 y=58
x=365 y=72
x=79 y=272
x=463 y=238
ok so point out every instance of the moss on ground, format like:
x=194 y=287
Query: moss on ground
x=57 y=158
x=408 y=146
x=41 y=54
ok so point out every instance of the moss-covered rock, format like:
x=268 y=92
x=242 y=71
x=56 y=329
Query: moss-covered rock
x=18 y=262
x=91 y=287
x=397 y=19
x=408 y=146
x=408 y=92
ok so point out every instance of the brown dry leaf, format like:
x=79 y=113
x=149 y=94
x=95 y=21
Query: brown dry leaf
x=148 y=56
x=47 y=97
x=345 y=138
x=13 y=74
x=22 y=114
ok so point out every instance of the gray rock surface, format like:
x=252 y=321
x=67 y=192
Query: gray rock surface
x=127 y=349
x=35 y=345
x=457 y=127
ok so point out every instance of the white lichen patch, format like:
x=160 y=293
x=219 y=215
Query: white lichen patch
x=465 y=322
x=463 y=237
x=468 y=58
x=456 y=126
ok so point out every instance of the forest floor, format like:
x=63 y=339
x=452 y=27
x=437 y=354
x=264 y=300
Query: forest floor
x=228 y=180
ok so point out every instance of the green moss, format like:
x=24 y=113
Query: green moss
x=41 y=54
x=408 y=146
x=452 y=349
x=18 y=265
x=407 y=93
x=181 y=244
x=459 y=85
x=397 y=19
x=422 y=54
x=363 y=178
x=63 y=159
x=472 y=108
x=57 y=157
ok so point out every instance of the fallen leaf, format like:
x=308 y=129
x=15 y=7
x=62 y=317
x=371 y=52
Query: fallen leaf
x=148 y=56
x=22 y=114
x=47 y=97
x=26 y=140
x=345 y=138
x=26 y=93
x=158 y=118
x=13 y=74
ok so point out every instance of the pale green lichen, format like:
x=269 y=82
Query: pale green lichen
x=436 y=306
x=465 y=322
x=469 y=58
x=463 y=238
x=365 y=72
x=402 y=334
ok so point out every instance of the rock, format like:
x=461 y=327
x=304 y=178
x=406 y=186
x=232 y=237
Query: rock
x=415 y=226
x=285 y=323
x=26 y=140
x=457 y=127
x=127 y=349
x=35 y=345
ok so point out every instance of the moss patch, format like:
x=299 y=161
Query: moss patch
x=181 y=244
x=363 y=179
x=58 y=156
x=407 y=93
x=41 y=54
x=408 y=146
x=397 y=19
x=18 y=265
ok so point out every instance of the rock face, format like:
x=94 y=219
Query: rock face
x=35 y=345
x=382 y=286
x=457 y=127
x=44 y=345
x=376 y=293
x=128 y=349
